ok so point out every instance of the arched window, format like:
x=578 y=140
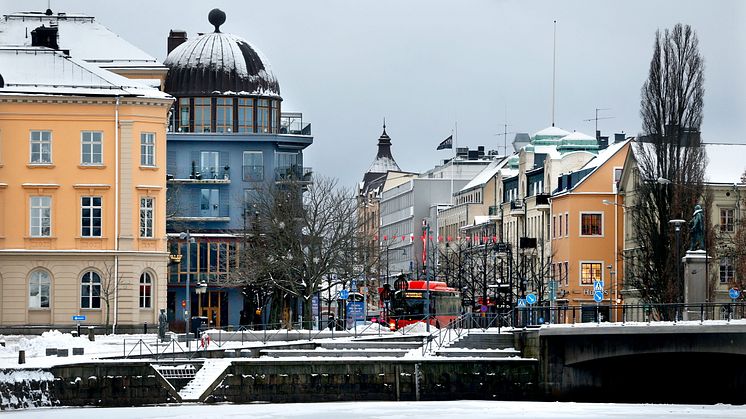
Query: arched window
x=38 y=289
x=146 y=284
x=90 y=290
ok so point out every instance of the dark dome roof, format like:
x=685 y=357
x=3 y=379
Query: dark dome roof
x=219 y=63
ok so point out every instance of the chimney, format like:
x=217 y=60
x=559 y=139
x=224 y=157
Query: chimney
x=603 y=142
x=44 y=37
x=480 y=151
x=175 y=38
x=619 y=137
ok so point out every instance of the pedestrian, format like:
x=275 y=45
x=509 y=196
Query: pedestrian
x=331 y=322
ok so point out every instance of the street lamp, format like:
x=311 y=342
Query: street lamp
x=613 y=270
x=189 y=240
x=677 y=228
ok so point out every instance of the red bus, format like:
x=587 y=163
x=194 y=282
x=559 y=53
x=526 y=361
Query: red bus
x=407 y=306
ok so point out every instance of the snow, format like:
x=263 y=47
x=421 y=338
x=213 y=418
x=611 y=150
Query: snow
x=725 y=162
x=551 y=132
x=86 y=39
x=20 y=376
x=36 y=70
x=577 y=136
x=383 y=165
x=487 y=173
x=221 y=51
x=457 y=409
x=205 y=377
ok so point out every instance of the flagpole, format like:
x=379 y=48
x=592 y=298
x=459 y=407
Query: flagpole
x=453 y=159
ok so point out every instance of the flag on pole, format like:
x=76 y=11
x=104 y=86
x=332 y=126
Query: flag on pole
x=447 y=143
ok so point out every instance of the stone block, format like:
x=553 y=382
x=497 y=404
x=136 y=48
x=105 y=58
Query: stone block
x=51 y=351
x=62 y=352
x=78 y=351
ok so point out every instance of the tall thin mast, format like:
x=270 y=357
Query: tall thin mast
x=554 y=66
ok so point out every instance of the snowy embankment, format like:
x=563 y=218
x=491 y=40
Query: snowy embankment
x=23 y=389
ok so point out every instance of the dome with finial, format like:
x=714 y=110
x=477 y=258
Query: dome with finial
x=219 y=64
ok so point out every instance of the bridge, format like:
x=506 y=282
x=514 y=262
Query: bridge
x=683 y=362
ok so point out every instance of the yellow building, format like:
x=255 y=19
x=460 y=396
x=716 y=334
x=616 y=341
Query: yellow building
x=82 y=191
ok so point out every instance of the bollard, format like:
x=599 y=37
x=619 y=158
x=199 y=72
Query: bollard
x=145 y=328
x=78 y=329
x=21 y=356
x=91 y=336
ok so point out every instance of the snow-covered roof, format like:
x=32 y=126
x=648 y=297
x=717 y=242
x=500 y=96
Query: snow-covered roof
x=80 y=34
x=577 y=136
x=605 y=154
x=39 y=70
x=383 y=165
x=487 y=173
x=551 y=132
x=725 y=162
x=219 y=63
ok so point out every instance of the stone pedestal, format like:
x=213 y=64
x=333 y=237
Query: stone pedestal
x=695 y=283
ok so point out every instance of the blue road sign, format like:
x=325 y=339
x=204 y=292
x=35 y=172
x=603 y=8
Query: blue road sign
x=598 y=296
x=531 y=298
x=356 y=310
x=78 y=318
x=521 y=302
x=734 y=293
x=598 y=285
x=315 y=304
x=343 y=294
x=353 y=285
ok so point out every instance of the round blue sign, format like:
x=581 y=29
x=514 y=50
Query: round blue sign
x=598 y=296
x=531 y=298
x=483 y=309
x=734 y=293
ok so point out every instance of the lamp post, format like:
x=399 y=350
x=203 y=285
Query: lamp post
x=188 y=237
x=426 y=237
x=613 y=270
x=677 y=228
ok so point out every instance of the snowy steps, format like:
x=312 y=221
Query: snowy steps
x=367 y=344
x=334 y=353
x=480 y=353
x=205 y=380
x=484 y=341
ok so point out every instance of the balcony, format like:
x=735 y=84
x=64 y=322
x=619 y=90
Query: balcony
x=253 y=173
x=294 y=174
x=516 y=208
x=495 y=212
x=208 y=213
x=206 y=175
x=542 y=202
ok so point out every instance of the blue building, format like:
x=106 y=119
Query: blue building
x=227 y=138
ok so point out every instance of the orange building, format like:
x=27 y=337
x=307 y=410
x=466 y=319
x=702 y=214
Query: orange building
x=82 y=191
x=587 y=221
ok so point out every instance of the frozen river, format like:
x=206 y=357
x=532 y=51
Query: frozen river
x=394 y=410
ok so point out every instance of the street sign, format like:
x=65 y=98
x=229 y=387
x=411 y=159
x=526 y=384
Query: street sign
x=598 y=296
x=78 y=318
x=315 y=304
x=353 y=285
x=598 y=285
x=483 y=309
x=356 y=311
x=531 y=298
x=552 y=290
x=521 y=302
x=364 y=290
x=343 y=294
x=734 y=293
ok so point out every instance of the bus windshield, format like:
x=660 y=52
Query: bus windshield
x=408 y=307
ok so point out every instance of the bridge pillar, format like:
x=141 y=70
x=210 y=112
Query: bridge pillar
x=695 y=283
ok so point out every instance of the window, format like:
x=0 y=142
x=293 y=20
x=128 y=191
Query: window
x=567 y=273
x=146 y=217
x=591 y=224
x=567 y=224
x=209 y=203
x=554 y=226
x=209 y=164
x=245 y=115
x=147 y=149
x=727 y=272
x=287 y=165
x=223 y=114
x=146 y=284
x=560 y=226
x=253 y=166
x=590 y=272
x=38 y=289
x=41 y=147
x=41 y=217
x=184 y=114
x=90 y=220
x=727 y=220
x=617 y=178
x=262 y=115
x=91 y=146
x=275 y=115
x=90 y=290
x=202 y=114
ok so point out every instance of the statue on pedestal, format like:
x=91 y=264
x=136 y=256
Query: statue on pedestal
x=162 y=324
x=697 y=229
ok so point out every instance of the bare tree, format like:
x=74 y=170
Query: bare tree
x=111 y=284
x=298 y=238
x=670 y=149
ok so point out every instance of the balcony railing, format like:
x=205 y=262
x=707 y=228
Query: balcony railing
x=294 y=174
x=204 y=175
x=494 y=211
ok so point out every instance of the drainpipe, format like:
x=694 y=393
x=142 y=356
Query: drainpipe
x=116 y=214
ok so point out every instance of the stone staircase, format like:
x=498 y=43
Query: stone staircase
x=482 y=344
x=205 y=380
x=362 y=348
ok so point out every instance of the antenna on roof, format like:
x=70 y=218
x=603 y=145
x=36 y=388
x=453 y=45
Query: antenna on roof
x=384 y=123
x=597 y=117
x=554 y=65
x=505 y=133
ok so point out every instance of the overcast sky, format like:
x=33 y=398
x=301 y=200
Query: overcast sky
x=429 y=66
